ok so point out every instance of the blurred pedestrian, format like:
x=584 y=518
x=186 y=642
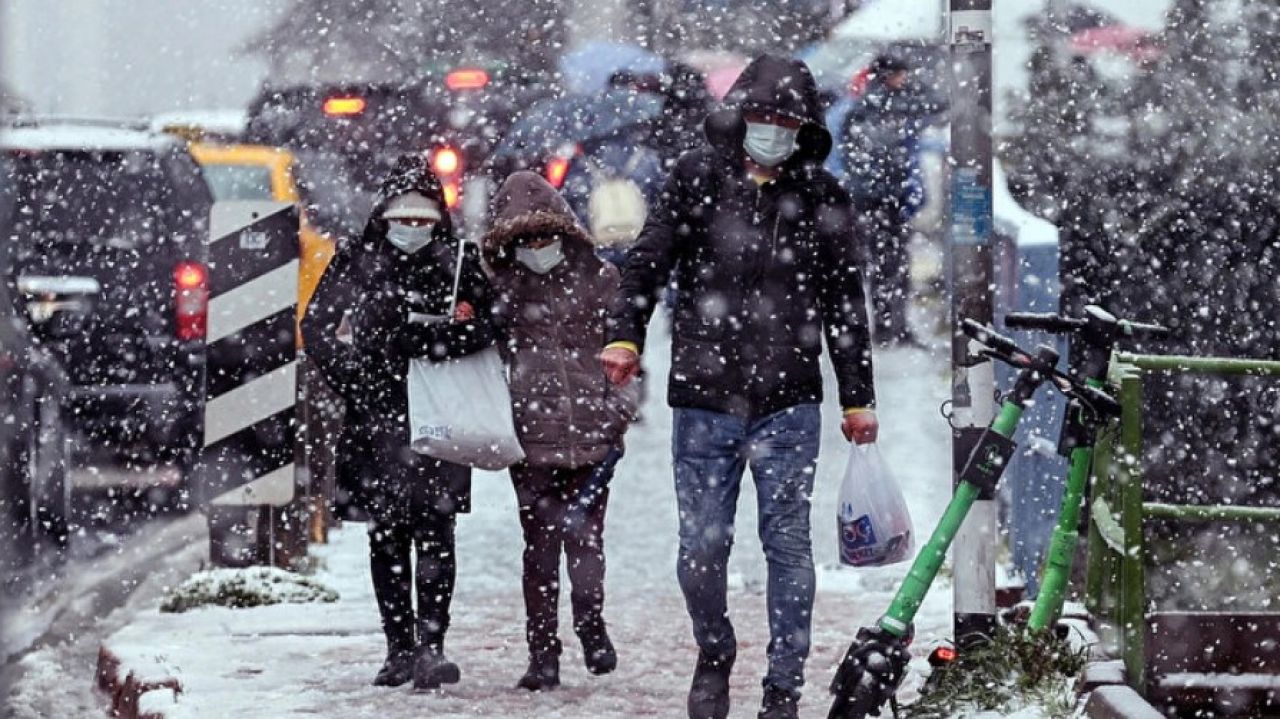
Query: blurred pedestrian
x=380 y=303
x=686 y=102
x=762 y=243
x=881 y=144
x=553 y=301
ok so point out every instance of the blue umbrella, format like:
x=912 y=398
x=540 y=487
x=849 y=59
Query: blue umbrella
x=554 y=122
x=587 y=68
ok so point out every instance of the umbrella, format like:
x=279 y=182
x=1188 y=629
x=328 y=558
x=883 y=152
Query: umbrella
x=1135 y=43
x=587 y=69
x=899 y=20
x=720 y=67
x=577 y=119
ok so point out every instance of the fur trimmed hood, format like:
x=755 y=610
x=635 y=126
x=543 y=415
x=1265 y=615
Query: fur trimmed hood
x=525 y=205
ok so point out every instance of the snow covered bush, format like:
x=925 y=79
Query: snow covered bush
x=1018 y=672
x=249 y=587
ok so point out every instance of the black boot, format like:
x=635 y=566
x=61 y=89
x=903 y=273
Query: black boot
x=779 y=704
x=709 y=694
x=597 y=650
x=431 y=668
x=396 y=670
x=543 y=674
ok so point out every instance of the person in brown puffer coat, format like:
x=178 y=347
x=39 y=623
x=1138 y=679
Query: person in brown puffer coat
x=553 y=299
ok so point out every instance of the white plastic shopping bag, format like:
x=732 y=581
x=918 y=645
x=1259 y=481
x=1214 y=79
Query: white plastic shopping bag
x=460 y=409
x=875 y=526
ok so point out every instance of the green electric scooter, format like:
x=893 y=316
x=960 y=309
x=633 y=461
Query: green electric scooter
x=1091 y=339
x=876 y=662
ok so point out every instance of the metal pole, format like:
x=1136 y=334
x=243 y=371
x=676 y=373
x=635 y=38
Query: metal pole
x=969 y=230
x=1133 y=592
x=1211 y=513
x=1201 y=365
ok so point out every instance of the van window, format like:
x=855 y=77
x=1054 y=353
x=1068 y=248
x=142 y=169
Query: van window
x=238 y=182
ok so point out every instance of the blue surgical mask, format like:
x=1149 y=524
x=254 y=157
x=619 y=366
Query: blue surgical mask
x=542 y=259
x=769 y=145
x=408 y=238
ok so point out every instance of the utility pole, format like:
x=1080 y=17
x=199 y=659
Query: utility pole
x=969 y=233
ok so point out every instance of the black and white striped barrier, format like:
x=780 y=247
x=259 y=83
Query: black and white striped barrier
x=251 y=421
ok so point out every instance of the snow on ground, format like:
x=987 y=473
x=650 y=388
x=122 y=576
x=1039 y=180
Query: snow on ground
x=61 y=631
x=318 y=659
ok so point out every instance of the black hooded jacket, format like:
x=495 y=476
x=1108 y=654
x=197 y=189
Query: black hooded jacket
x=764 y=272
x=376 y=286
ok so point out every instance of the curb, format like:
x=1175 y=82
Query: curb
x=127 y=692
x=1119 y=702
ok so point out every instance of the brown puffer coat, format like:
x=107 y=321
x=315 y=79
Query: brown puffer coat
x=567 y=414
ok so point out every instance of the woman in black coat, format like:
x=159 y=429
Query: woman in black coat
x=358 y=329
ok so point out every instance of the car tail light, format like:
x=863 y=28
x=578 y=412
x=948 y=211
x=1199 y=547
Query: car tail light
x=191 y=286
x=446 y=162
x=467 y=79
x=344 y=106
x=556 y=170
x=452 y=192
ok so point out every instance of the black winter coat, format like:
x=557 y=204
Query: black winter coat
x=377 y=286
x=764 y=272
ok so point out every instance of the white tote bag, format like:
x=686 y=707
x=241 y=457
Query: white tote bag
x=460 y=409
x=874 y=524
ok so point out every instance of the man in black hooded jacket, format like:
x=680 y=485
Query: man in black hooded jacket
x=760 y=239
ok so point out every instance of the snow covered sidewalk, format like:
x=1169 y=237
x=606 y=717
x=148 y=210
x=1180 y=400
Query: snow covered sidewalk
x=318 y=659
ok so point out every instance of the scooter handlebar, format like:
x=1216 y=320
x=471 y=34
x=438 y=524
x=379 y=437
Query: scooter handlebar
x=1044 y=322
x=1059 y=325
x=1142 y=330
x=1097 y=399
x=989 y=337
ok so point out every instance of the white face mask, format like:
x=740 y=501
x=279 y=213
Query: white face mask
x=408 y=238
x=541 y=260
x=769 y=145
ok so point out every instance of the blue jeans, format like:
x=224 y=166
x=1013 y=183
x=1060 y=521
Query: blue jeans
x=712 y=450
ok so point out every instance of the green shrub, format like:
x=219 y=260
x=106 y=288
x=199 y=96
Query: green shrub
x=240 y=588
x=1016 y=669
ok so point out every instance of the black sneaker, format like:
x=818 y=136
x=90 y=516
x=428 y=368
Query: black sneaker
x=597 y=650
x=543 y=674
x=396 y=670
x=431 y=669
x=709 y=693
x=779 y=704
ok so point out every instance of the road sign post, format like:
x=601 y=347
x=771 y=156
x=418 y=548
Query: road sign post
x=247 y=475
x=969 y=230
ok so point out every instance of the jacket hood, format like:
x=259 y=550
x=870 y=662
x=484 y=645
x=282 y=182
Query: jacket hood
x=776 y=84
x=411 y=173
x=526 y=204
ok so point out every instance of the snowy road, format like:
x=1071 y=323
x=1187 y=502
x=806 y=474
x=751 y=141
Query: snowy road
x=318 y=661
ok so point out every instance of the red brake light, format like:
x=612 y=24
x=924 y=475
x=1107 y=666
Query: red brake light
x=943 y=655
x=191 y=284
x=466 y=79
x=451 y=194
x=189 y=275
x=556 y=170
x=344 y=106
x=446 y=161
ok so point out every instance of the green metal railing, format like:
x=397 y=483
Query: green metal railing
x=1115 y=583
